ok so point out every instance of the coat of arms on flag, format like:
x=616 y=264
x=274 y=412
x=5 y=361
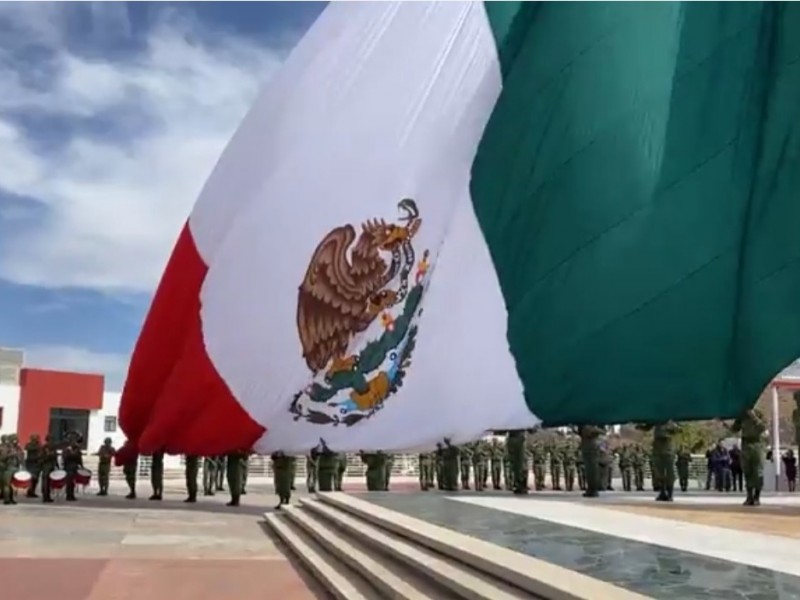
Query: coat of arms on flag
x=357 y=317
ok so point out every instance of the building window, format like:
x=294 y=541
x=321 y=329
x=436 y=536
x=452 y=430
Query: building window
x=110 y=424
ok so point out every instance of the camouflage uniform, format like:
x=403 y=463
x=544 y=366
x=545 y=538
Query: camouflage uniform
x=33 y=450
x=105 y=454
x=480 y=454
x=682 y=462
x=192 y=470
x=639 y=458
x=664 y=459
x=425 y=467
x=515 y=444
x=555 y=452
x=591 y=459
x=752 y=427
x=496 y=456
x=282 y=467
x=209 y=475
x=538 y=455
x=48 y=463
x=465 y=456
x=625 y=466
x=569 y=455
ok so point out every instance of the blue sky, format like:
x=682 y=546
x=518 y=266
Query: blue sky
x=111 y=117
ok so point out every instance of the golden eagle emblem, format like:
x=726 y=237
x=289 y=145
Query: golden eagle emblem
x=356 y=284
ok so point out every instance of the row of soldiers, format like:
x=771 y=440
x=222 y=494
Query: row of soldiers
x=39 y=460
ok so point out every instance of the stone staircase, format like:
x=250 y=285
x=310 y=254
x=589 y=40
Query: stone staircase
x=361 y=551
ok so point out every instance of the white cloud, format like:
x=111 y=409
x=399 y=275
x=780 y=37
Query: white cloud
x=80 y=360
x=114 y=204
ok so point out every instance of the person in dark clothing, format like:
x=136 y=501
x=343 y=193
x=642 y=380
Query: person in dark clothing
x=790 y=466
x=736 y=469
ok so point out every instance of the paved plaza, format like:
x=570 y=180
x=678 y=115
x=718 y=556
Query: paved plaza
x=116 y=549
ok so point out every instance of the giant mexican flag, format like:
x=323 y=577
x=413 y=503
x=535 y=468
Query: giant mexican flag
x=443 y=218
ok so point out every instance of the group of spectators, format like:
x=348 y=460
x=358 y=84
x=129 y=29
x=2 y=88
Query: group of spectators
x=725 y=468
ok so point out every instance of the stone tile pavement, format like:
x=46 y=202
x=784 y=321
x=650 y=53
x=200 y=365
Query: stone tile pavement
x=116 y=549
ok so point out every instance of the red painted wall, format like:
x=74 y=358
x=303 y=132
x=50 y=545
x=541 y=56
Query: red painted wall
x=41 y=390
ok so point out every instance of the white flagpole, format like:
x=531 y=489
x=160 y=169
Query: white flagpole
x=776 y=442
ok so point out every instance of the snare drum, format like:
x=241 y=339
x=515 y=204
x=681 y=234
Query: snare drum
x=58 y=479
x=83 y=477
x=21 y=480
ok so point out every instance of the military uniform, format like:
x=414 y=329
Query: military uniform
x=312 y=470
x=192 y=470
x=554 y=451
x=73 y=460
x=48 y=463
x=426 y=460
x=233 y=474
x=591 y=460
x=639 y=458
x=104 y=455
x=682 y=462
x=130 y=470
x=222 y=470
x=517 y=453
x=537 y=451
x=752 y=428
x=376 y=470
x=569 y=453
x=664 y=459
x=282 y=477
x=438 y=465
x=209 y=475
x=341 y=469
x=480 y=455
x=244 y=467
x=387 y=470
x=465 y=464
x=326 y=470
x=33 y=451
x=10 y=461
x=450 y=468
x=496 y=456
x=157 y=475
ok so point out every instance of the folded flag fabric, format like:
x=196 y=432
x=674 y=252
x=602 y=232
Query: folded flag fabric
x=443 y=218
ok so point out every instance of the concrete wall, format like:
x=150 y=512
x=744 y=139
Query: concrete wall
x=9 y=402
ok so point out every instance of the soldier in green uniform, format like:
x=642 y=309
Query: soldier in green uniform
x=496 y=454
x=222 y=469
x=439 y=465
x=282 y=477
x=639 y=458
x=580 y=468
x=326 y=469
x=105 y=454
x=465 y=462
x=233 y=474
x=682 y=461
x=312 y=470
x=192 y=470
x=626 y=466
x=341 y=469
x=450 y=468
x=157 y=475
x=591 y=460
x=508 y=473
x=752 y=427
x=568 y=458
x=517 y=453
x=425 y=461
x=33 y=451
x=244 y=465
x=664 y=459
x=537 y=451
x=10 y=461
x=480 y=455
x=130 y=469
x=209 y=475
x=48 y=462
x=72 y=456
x=387 y=470
x=554 y=452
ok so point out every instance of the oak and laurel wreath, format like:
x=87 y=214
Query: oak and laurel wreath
x=373 y=354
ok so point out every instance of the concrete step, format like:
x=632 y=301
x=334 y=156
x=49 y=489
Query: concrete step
x=446 y=574
x=390 y=578
x=329 y=571
x=532 y=577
